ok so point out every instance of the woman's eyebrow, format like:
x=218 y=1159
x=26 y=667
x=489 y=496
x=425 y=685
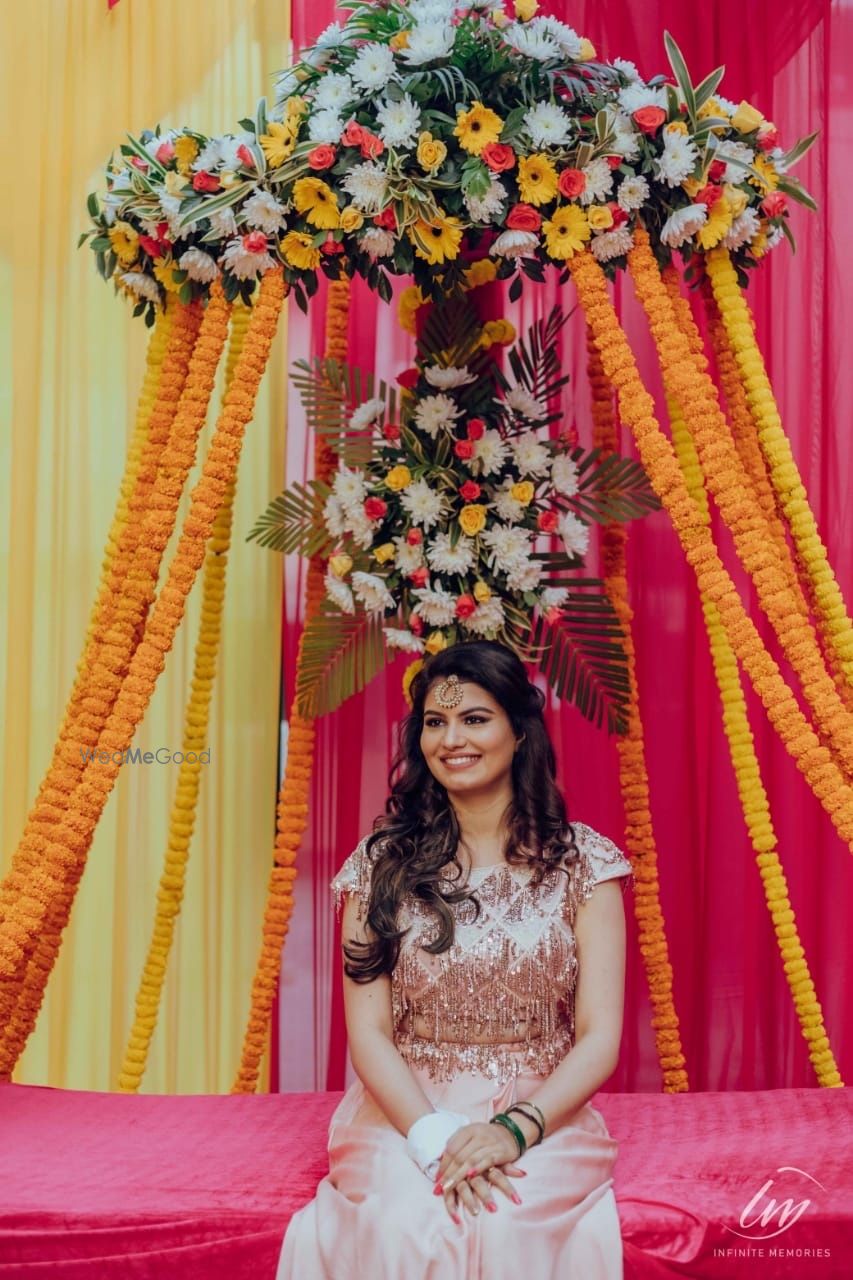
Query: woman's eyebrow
x=461 y=713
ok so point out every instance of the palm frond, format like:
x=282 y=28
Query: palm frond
x=535 y=361
x=291 y=522
x=341 y=653
x=452 y=330
x=610 y=488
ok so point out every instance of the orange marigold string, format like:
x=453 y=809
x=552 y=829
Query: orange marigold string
x=637 y=410
x=639 y=830
x=293 y=798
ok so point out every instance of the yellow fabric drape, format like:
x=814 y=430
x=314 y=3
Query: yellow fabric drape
x=74 y=78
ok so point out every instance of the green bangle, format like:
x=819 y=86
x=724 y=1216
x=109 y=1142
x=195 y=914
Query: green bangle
x=509 y=1123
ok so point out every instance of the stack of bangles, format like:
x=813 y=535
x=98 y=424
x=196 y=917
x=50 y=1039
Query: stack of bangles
x=504 y=1118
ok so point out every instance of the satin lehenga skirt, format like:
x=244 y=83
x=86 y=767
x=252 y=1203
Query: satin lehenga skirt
x=374 y=1214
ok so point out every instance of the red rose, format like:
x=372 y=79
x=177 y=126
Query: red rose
x=571 y=183
x=386 y=219
x=767 y=141
x=391 y=432
x=245 y=156
x=322 y=157
x=547 y=521
x=151 y=246
x=717 y=170
x=163 y=234
x=140 y=164
x=476 y=427
x=614 y=161
x=204 y=181
x=420 y=577
x=375 y=508
x=620 y=215
x=255 y=242
x=709 y=195
x=352 y=135
x=331 y=245
x=470 y=491
x=465 y=606
x=523 y=217
x=414 y=537
x=416 y=625
x=372 y=145
x=165 y=152
x=408 y=379
x=648 y=119
x=464 y=449
x=499 y=156
x=774 y=205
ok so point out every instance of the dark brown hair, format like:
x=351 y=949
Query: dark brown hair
x=418 y=834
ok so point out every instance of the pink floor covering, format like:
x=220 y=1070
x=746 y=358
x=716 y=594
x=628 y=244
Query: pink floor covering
x=101 y=1186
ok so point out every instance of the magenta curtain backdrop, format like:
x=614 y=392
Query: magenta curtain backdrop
x=738 y=1025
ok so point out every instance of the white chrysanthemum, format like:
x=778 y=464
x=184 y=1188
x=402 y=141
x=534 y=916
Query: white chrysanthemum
x=531 y=41
x=407 y=558
x=334 y=516
x=525 y=577
x=777 y=155
x=424 y=504
x=729 y=107
x=171 y=206
x=244 y=264
x=515 y=244
x=732 y=153
x=522 y=402
x=565 y=37
x=220 y=153
x=367 y=183
x=599 y=181
x=436 y=413
x=627 y=68
x=435 y=605
x=350 y=488
x=334 y=91
x=575 y=534
x=405 y=641
x=325 y=127
x=339 y=593
x=425 y=11
x=490 y=452
x=553 y=597
x=198 y=265
x=448 y=378
x=488 y=207
x=508 y=508
x=508 y=544
x=683 y=224
x=399 y=122
x=142 y=285
x=222 y=222
x=775 y=238
x=373 y=66
x=530 y=454
x=111 y=202
x=317 y=57
x=372 y=592
x=286 y=84
x=633 y=193
x=564 y=475
x=264 y=211
x=487 y=618
x=362 y=529
x=377 y=242
x=153 y=145
x=427 y=42
x=743 y=228
x=366 y=413
x=548 y=125
x=625 y=140
x=446 y=559
x=330 y=37
x=636 y=95
x=611 y=244
x=677 y=160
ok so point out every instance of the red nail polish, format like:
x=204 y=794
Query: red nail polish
x=491 y=1206
x=438 y=1189
x=516 y=1199
x=457 y=1220
x=472 y=1173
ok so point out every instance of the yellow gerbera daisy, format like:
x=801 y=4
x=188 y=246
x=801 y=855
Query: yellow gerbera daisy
x=478 y=127
x=298 y=250
x=438 y=240
x=537 y=179
x=278 y=144
x=125 y=243
x=718 y=223
x=566 y=232
x=768 y=179
x=317 y=201
x=163 y=271
x=408 y=304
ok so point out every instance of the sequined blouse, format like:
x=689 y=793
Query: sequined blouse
x=515 y=966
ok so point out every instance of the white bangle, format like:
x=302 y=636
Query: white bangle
x=427 y=1138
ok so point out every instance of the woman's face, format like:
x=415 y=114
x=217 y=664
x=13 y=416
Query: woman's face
x=478 y=728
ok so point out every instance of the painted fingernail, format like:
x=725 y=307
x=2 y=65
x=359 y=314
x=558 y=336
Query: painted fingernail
x=491 y=1206
x=457 y=1219
x=472 y=1173
x=516 y=1198
x=438 y=1189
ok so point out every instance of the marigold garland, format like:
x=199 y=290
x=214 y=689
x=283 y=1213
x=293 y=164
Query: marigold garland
x=753 y=797
x=833 y=618
x=293 y=798
x=656 y=453
x=633 y=774
x=685 y=375
x=64 y=856
x=183 y=815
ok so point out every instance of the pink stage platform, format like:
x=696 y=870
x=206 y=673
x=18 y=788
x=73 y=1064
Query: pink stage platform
x=110 y=1187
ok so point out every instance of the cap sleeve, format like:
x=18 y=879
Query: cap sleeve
x=354 y=877
x=600 y=859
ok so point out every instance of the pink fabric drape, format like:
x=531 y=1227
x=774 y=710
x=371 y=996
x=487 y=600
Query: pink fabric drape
x=738 y=1025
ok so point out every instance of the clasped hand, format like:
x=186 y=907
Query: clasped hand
x=471 y=1153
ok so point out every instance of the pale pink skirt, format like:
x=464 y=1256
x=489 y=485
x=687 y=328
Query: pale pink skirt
x=374 y=1213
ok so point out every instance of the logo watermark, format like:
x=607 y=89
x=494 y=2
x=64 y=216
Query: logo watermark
x=135 y=755
x=765 y=1218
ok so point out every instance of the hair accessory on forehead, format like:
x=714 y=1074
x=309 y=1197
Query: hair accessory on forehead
x=449 y=692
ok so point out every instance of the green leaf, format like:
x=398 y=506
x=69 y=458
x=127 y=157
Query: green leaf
x=341 y=654
x=92 y=205
x=292 y=523
x=682 y=75
x=708 y=87
x=223 y=200
x=799 y=149
x=615 y=488
x=795 y=189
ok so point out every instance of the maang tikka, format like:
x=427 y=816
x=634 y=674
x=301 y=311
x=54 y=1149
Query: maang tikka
x=449 y=692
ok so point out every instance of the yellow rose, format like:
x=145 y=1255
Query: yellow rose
x=691 y=186
x=500 y=332
x=174 y=182
x=599 y=217
x=386 y=552
x=472 y=518
x=747 y=118
x=431 y=151
x=408 y=304
x=499 y=18
x=400 y=40
x=736 y=199
x=340 y=564
x=523 y=492
x=711 y=108
x=351 y=218
x=398 y=478
x=675 y=126
x=525 y=9
x=482 y=593
x=587 y=52
x=436 y=642
x=481 y=272
x=227 y=177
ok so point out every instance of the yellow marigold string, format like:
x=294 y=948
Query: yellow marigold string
x=194 y=739
x=294 y=794
x=64 y=855
x=633 y=774
x=753 y=797
x=686 y=378
x=832 y=614
x=637 y=410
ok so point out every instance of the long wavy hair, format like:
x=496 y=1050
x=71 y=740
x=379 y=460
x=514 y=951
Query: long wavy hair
x=418 y=835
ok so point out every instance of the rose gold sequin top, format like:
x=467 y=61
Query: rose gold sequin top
x=509 y=976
